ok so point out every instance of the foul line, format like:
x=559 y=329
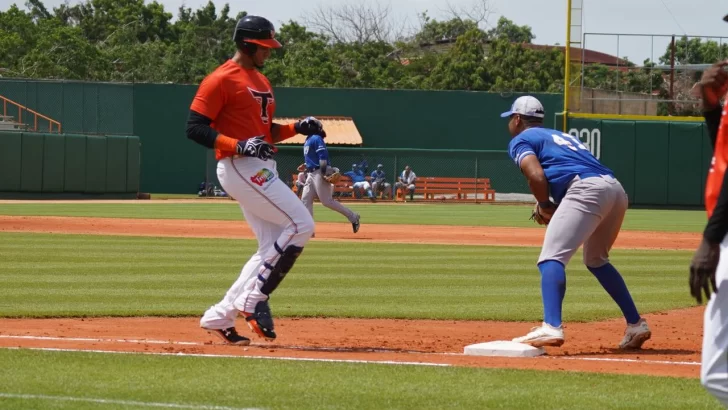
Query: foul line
x=314 y=349
x=229 y=356
x=119 y=402
x=91 y=339
x=266 y=345
x=606 y=359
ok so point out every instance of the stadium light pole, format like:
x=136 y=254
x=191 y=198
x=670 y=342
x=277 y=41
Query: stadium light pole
x=567 y=63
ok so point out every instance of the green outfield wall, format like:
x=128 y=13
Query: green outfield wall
x=660 y=163
x=69 y=165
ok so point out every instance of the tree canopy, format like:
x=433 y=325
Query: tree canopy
x=359 y=47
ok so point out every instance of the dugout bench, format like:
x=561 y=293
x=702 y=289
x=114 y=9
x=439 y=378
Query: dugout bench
x=455 y=189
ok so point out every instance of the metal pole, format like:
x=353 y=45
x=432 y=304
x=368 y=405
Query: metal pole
x=477 y=182
x=672 y=74
x=394 y=189
x=567 y=62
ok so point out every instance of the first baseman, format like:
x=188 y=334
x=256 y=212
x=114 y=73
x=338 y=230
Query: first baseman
x=316 y=156
x=709 y=267
x=232 y=112
x=591 y=207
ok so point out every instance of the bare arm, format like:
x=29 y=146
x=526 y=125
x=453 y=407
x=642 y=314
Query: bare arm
x=537 y=182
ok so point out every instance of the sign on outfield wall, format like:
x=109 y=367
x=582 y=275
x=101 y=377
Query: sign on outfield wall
x=591 y=138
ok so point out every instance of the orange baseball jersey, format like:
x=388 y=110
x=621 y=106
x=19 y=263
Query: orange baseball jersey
x=239 y=102
x=717 y=165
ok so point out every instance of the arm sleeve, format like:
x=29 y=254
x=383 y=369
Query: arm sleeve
x=712 y=122
x=520 y=148
x=199 y=130
x=717 y=227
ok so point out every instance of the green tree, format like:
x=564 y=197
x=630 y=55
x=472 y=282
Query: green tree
x=514 y=67
x=512 y=32
x=463 y=67
x=433 y=31
x=695 y=51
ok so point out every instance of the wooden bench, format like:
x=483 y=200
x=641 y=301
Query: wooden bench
x=458 y=189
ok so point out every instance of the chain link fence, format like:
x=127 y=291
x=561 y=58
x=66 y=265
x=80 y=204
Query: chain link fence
x=504 y=176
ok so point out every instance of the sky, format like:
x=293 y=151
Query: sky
x=547 y=18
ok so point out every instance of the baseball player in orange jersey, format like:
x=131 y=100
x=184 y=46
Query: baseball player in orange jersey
x=232 y=112
x=709 y=267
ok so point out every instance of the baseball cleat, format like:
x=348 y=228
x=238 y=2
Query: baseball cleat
x=544 y=335
x=229 y=336
x=261 y=321
x=355 y=225
x=636 y=335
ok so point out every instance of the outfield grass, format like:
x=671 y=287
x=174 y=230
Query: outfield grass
x=276 y=384
x=427 y=214
x=74 y=275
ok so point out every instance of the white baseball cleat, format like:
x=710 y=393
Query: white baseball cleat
x=635 y=335
x=544 y=335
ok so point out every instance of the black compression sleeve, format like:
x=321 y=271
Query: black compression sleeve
x=717 y=227
x=199 y=130
x=712 y=121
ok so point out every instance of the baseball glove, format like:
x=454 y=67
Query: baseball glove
x=333 y=178
x=542 y=216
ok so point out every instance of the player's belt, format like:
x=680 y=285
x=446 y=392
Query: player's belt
x=592 y=175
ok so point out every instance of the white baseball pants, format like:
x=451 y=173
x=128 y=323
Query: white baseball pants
x=275 y=214
x=714 y=368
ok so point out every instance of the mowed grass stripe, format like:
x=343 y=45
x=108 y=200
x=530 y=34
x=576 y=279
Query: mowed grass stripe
x=425 y=214
x=312 y=385
x=74 y=275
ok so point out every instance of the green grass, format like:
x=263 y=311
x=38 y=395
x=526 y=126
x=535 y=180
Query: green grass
x=276 y=384
x=73 y=275
x=428 y=214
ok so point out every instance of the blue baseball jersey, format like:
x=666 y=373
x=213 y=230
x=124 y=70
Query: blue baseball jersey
x=378 y=175
x=562 y=157
x=356 y=176
x=314 y=150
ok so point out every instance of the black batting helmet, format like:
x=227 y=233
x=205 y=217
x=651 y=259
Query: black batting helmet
x=256 y=30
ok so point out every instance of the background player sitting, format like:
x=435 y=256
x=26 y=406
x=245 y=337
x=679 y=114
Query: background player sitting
x=407 y=180
x=380 y=184
x=358 y=178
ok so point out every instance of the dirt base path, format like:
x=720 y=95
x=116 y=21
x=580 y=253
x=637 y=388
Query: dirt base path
x=429 y=234
x=673 y=351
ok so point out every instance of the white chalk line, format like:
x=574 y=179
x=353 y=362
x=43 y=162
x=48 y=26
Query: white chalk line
x=230 y=356
x=171 y=342
x=327 y=349
x=609 y=359
x=119 y=402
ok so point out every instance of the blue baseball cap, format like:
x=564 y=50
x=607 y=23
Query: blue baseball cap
x=526 y=105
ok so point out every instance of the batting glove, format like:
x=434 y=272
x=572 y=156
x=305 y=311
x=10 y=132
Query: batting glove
x=310 y=126
x=256 y=147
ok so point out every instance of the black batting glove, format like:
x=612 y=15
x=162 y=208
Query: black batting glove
x=256 y=147
x=702 y=270
x=309 y=126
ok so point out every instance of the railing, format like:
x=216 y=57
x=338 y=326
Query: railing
x=20 y=107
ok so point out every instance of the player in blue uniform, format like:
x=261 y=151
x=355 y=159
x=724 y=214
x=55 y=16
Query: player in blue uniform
x=358 y=177
x=588 y=208
x=380 y=184
x=316 y=156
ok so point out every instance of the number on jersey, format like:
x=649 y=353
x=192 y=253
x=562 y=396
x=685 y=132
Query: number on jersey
x=305 y=149
x=568 y=141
